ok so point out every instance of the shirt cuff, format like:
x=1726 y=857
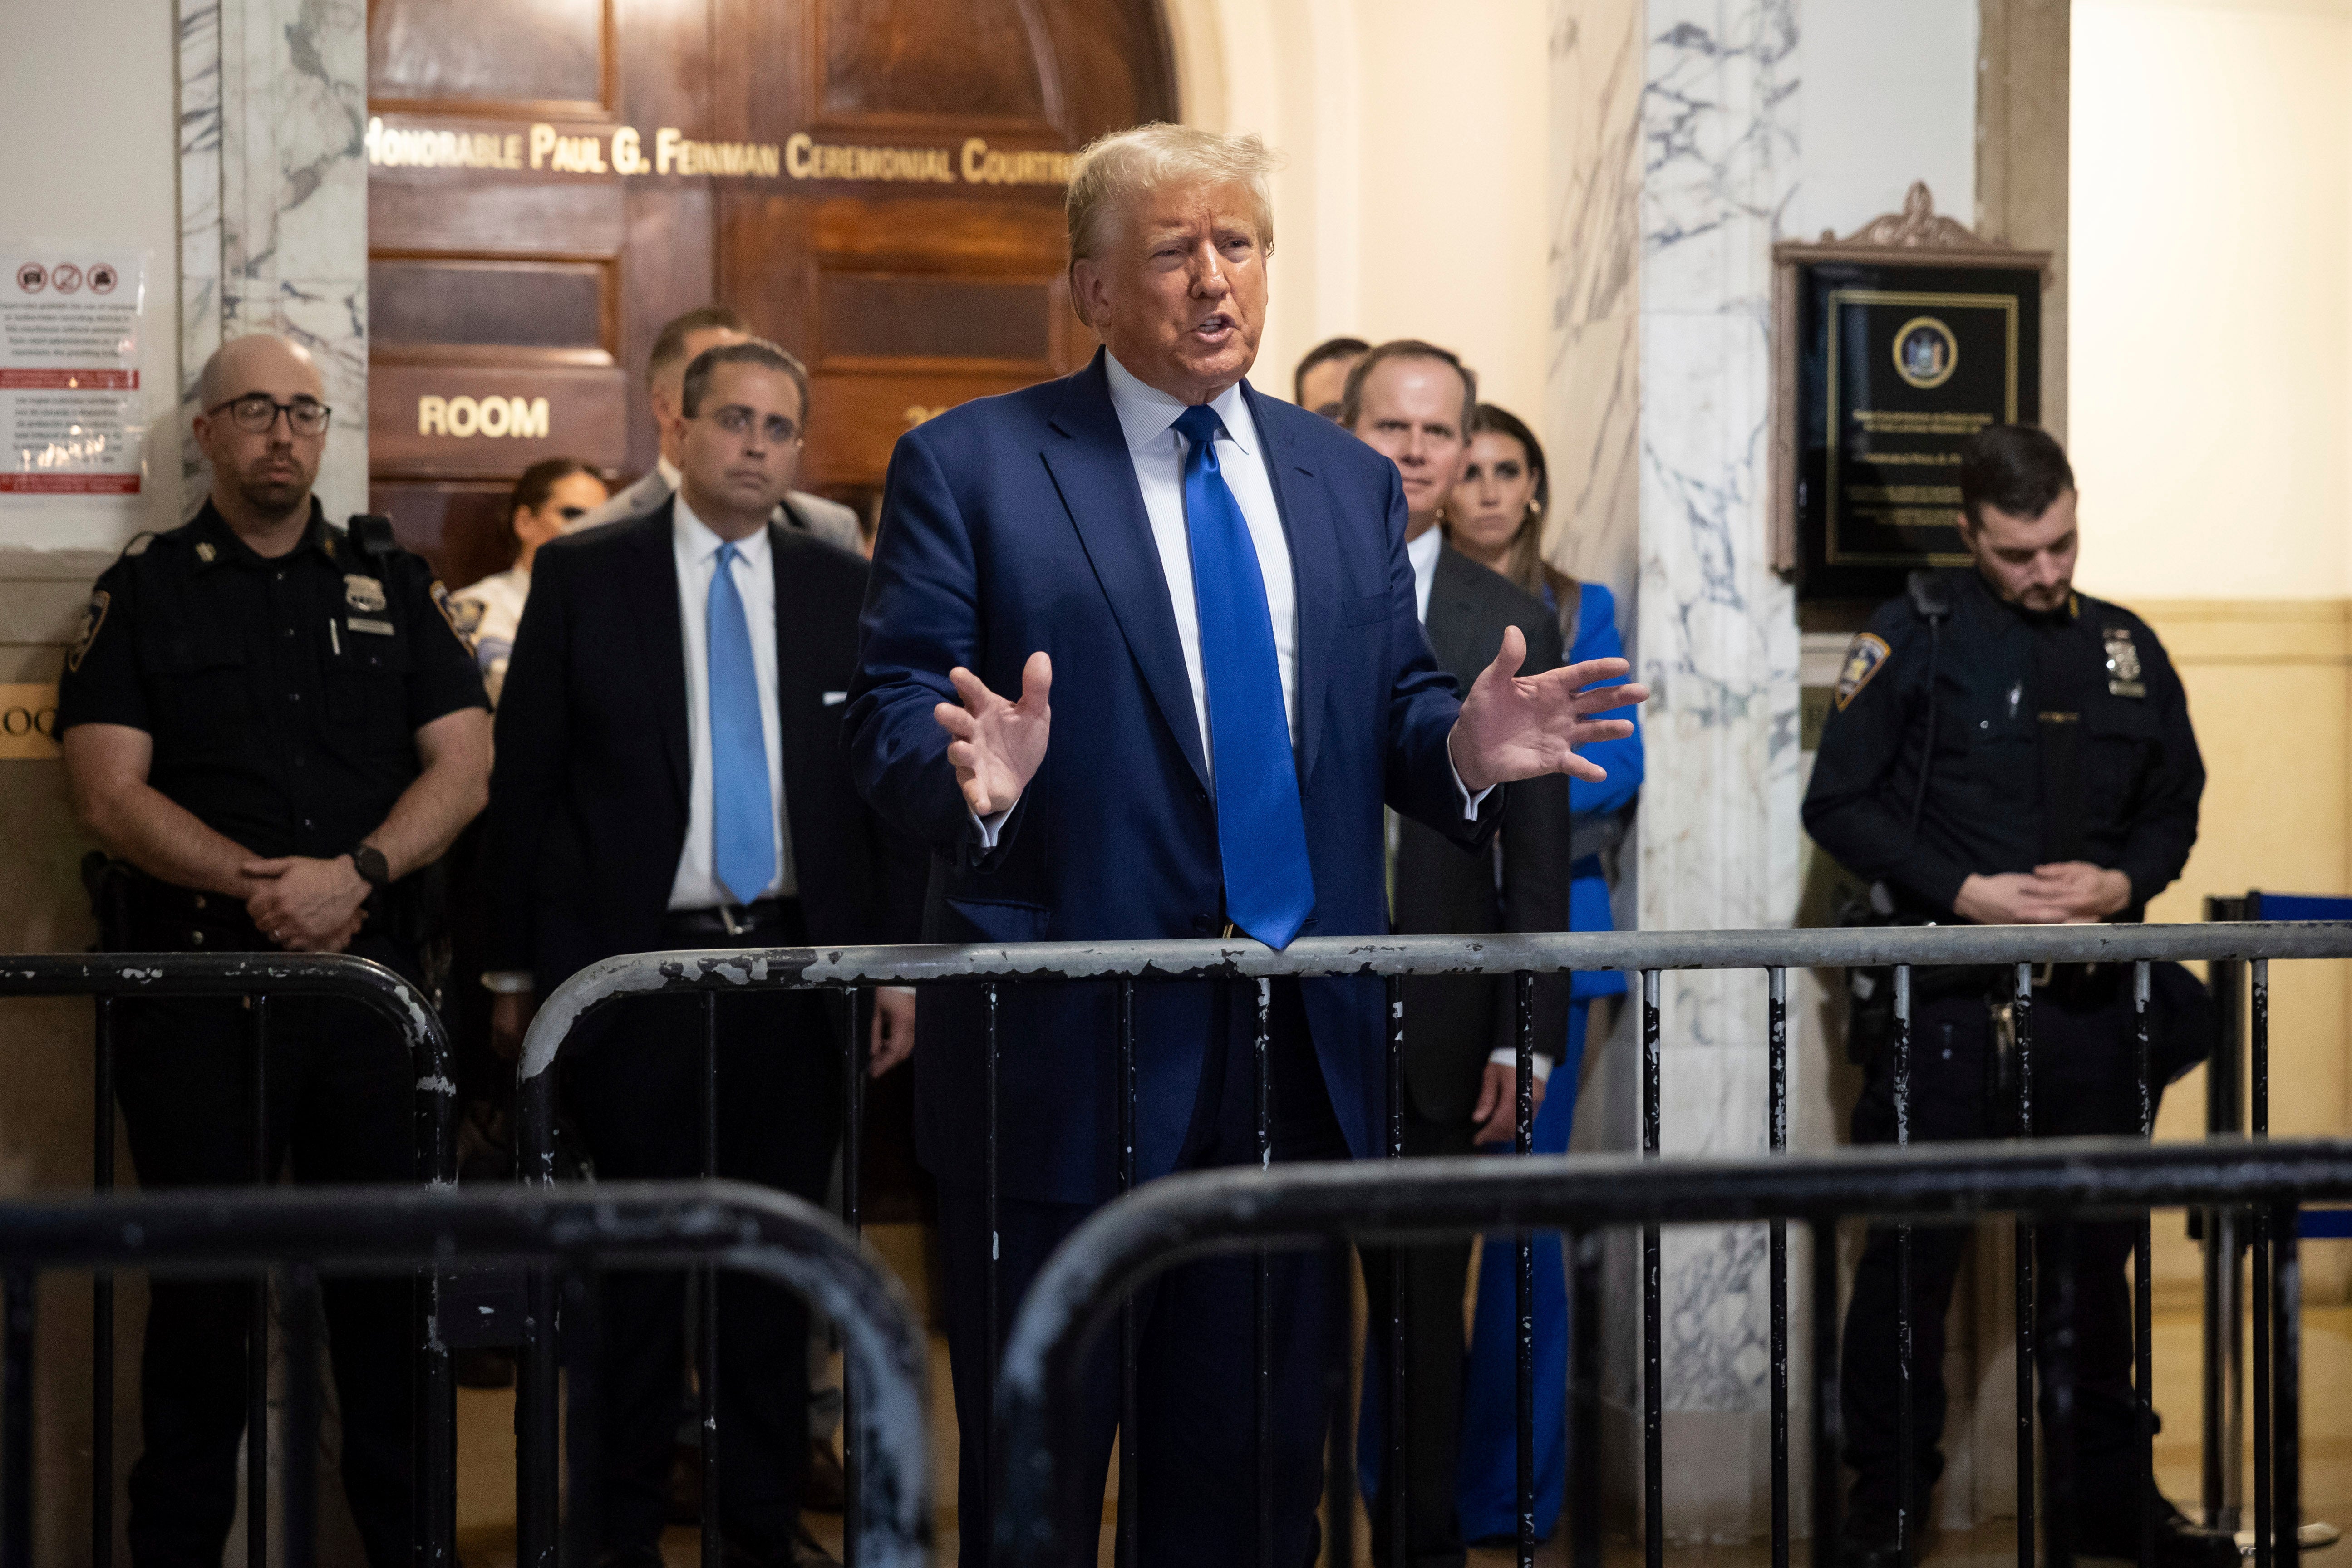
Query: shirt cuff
x=901 y=990
x=1504 y=1056
x=1470 y=802
x=992 y=825
x=508 y=982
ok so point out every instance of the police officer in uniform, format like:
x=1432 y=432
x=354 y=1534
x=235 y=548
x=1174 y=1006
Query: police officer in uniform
x=271 y=728
x=2003 y=750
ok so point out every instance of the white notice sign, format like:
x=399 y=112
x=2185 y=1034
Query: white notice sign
x=69 y=408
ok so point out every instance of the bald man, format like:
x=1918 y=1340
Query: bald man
x=272 y=730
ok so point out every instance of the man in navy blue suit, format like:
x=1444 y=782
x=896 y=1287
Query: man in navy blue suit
x=1221 y=580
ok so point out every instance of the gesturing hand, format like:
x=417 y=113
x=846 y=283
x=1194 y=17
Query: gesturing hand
x=995 y=746
x=1519 y=727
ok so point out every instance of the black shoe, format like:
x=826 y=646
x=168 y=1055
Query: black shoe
x=2178 y=1542
x=1869 y=1540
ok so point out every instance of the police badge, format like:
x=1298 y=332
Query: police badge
x=1864 y=658
x=93 y=616
x=362 y=594
x=2123 y=664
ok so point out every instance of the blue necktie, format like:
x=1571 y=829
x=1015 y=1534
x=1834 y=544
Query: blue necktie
x=742 y=816
x=1261 y=831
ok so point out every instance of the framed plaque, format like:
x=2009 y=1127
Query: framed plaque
x=1892 y=348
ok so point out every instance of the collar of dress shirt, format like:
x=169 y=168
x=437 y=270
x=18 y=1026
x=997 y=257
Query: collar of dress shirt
x=1146 y=413
x=698 y=543
x=668 y=472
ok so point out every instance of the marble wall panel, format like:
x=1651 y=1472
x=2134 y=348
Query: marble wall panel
x=273 y=206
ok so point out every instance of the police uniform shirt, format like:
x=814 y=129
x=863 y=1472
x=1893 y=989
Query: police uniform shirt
x=2058 y=736
x=283 y=695
x=487 y=614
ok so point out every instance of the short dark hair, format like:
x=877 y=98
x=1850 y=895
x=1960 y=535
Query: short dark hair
x=751 y=351
x=669 y=344
x=1351 y=402
x=1323 y=353
x=538 y=482
x=2016 y=469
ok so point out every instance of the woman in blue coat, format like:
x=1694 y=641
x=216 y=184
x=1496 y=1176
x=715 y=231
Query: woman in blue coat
x=1495 y=517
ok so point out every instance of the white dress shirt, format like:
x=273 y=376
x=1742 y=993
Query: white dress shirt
x=1423 y=552
x=696 y=885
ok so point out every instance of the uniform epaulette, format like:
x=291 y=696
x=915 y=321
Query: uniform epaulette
x=138 y=545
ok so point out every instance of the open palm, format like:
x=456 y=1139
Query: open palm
x=1519 y=727
x=996 y=746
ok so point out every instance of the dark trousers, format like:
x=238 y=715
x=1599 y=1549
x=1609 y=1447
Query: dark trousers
x=2083 y=1085
x=635 y=1088
x=1196 y=1446
x=1434 y=1280
x=340 y=1092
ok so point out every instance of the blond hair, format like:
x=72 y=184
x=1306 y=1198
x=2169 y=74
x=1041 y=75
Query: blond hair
x=1112 y=170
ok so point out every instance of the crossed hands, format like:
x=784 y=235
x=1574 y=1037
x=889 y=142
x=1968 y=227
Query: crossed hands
x=2070 y=892
x=305 y=905
x=1511 y=726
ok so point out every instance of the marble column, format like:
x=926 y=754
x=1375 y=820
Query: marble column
x=1676 y=156
x=273 y=204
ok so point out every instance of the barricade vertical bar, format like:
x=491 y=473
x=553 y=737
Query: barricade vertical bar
x=1131 y=1505
x=984 y=1438
x=2286 y=1409
x=852 y=1199
x=1654 y=1479
x=1905 y=1472
x=256 y=1336
x=1776 y=1136
x=2260 y=992
x=1826 y=1417
x=301 y=1505
x=583 y=1399
x=1584 y=1398
x=707 y=1363
x=2021 y=1016
x=1393 y=1493
x=16 y=1421
x=1261 y=1334
x=1338 y=1448
x=2058 y=1444
x=101 y=1305
x=1524 y=1276
x=2223 y=1368
x=538 y=1422
x=2143 y=1297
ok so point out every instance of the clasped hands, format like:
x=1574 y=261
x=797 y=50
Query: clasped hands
x=2069 y=892
x=1511 y=726
x=305 y=905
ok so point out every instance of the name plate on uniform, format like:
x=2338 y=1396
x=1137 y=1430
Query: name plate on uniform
x=1893 y=348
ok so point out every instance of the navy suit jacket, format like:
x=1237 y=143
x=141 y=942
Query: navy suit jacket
x=1012 y=524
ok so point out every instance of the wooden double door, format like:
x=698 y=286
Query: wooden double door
x=877 y=185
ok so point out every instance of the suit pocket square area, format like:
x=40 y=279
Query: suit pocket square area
x=835 y=699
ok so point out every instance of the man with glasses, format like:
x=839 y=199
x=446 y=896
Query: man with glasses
x=671 y=776
x=273 y=730
x=680 y=339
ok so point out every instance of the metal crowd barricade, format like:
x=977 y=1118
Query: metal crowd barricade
x=255 y=978
x=2022 y=950
x=302 y=1233
x=1297 y=1206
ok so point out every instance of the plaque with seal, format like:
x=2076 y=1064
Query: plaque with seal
x=1892 y=347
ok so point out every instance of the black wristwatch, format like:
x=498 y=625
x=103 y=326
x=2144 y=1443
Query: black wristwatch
x=368 y=862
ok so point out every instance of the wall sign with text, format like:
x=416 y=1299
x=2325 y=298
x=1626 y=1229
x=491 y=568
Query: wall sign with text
x=1890 y=355
x=669 y=153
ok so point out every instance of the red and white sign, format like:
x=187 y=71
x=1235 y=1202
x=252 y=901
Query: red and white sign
x=70 y=409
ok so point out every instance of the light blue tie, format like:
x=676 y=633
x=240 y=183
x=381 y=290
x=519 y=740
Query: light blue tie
x=742 y=816
x=1261 y=831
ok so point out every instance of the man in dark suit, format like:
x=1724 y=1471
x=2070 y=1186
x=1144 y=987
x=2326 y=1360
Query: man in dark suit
x=670 y=776
x=1221 y=579
x=1413 y=401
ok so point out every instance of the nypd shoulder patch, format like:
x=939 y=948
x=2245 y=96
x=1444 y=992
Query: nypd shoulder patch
x=1864 y=657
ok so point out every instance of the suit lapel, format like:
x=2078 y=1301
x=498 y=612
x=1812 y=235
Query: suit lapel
x=1452 y=626
x=1314 y=539
x=652 y=586
x=798 y=657
x=1092 y=471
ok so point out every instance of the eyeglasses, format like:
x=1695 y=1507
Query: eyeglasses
x=738 y=420
x=257 y=412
